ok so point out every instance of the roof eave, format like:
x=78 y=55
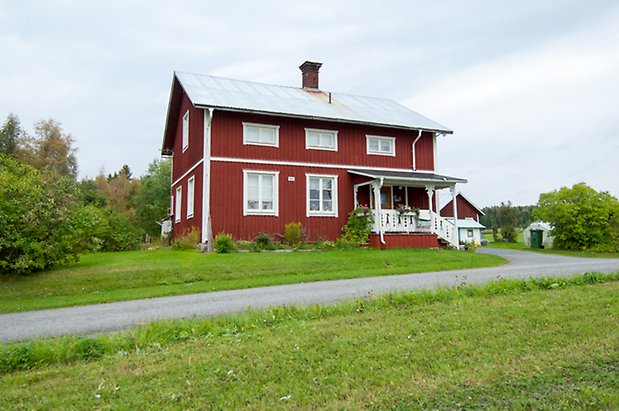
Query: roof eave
x=336 y=120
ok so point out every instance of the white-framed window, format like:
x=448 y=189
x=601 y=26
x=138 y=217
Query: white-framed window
x=177 y=203
x=261 y=134
x=190 y=196
x=320 y=139
x=260 y=192
x=185 y=130
x=379 y=145
x=321 y=195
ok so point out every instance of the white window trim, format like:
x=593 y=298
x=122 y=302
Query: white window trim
x=315 y=130
x=379 y=138
x=191 y=192
x=178 y=203
x=310 y=213
x=185 y=131
x=251 y=143
x=275 y=211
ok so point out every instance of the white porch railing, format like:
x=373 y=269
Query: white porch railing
x=392 y=221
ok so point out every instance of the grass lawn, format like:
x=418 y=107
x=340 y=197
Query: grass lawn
x=107 y=277
x=521 y=247
x=514 y=347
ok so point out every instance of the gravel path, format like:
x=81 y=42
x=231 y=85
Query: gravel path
x=121 y=315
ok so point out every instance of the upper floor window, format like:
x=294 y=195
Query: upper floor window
x=384 y=146
x=190 y=196
x=320 y=139
x=321 y=195
x=261 y=134
x=260 y=192
x=186 y=130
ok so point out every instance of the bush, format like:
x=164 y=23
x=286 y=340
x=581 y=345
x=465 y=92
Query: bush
x=224 y=243
x=104 y=229
x=189 y=240
x=345 y=244
x=35 y=231
x=359 y=226
x=293 y=234
x=324 y=244
x=468 y=246
x=509 y=234
x=264 y=241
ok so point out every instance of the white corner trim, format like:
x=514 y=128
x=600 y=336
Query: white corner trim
x=334 y=188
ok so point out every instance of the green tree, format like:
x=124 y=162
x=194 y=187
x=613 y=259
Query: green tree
x=50 y=151
x=36 y=231
x=153 y=199
x=10 y=135
x=582 y=218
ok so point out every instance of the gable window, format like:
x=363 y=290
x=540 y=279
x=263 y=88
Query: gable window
x=186 y=130
x=177 y=207
x=383 y=146
x=260 y=192
x=321 y=195
x=190 y=196
x=320 y=139
x=261 y=134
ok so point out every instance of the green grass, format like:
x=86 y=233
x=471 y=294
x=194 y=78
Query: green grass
x=534 y=344
x=519 y=246
x=107 y=277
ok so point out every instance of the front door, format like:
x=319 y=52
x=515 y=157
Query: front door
x=386 y=198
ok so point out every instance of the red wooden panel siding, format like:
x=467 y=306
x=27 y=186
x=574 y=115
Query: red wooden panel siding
x=228 y=142
x=186 y=224
x=184 y=160
x=465 y=209
x=405 y=241
x=227 y=202
x=424 y=152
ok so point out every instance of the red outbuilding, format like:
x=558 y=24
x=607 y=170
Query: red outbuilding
x=250 y=158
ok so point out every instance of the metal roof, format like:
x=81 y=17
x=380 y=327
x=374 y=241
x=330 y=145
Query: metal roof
x=468 y=223
x=437 y=180
x=238 y=95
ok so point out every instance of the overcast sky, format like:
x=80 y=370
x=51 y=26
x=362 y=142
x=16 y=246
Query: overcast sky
x=530 y=88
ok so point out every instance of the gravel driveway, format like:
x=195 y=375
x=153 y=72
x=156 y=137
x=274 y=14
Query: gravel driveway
x=121 y=315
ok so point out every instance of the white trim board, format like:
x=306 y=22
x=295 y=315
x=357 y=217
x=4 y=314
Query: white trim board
x=316 y=165
x=186 y=173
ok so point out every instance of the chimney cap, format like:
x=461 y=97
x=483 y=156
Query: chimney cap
x=310 y=65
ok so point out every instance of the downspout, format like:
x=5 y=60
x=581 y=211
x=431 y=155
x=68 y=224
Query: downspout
x=414 y=154
x=377 y=200
x=207 y=236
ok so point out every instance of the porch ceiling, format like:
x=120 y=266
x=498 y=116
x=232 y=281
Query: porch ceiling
x=412 y=179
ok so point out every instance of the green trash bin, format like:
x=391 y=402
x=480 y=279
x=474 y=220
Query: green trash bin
x=537 y=239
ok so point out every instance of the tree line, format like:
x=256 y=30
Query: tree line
x=582 y=218
x=48 y=216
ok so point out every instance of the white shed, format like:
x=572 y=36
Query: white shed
x=469 y=230
x=542 y=226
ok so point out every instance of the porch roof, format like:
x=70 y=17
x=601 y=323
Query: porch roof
x=411 y=178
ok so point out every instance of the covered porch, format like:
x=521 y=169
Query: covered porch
x=405 y=204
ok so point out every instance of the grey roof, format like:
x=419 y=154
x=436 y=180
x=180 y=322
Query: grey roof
x=437 y=180
x=216 y=92
x=469 y=223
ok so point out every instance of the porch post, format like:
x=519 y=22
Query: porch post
x=355 y=191
x=452 y=189
x=376 y=185
x=430 y=191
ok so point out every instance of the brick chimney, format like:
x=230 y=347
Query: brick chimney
x=310 y=74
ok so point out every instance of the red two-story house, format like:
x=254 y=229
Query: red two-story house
x=250 y=158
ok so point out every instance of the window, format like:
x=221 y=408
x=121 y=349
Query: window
x=260 y=134
x=320 y=139
x=177 y=208
x=186 y=130
x=190 y=196
x=321 y=195
x=469 y=233
x=260 y=192
x=384 y=146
